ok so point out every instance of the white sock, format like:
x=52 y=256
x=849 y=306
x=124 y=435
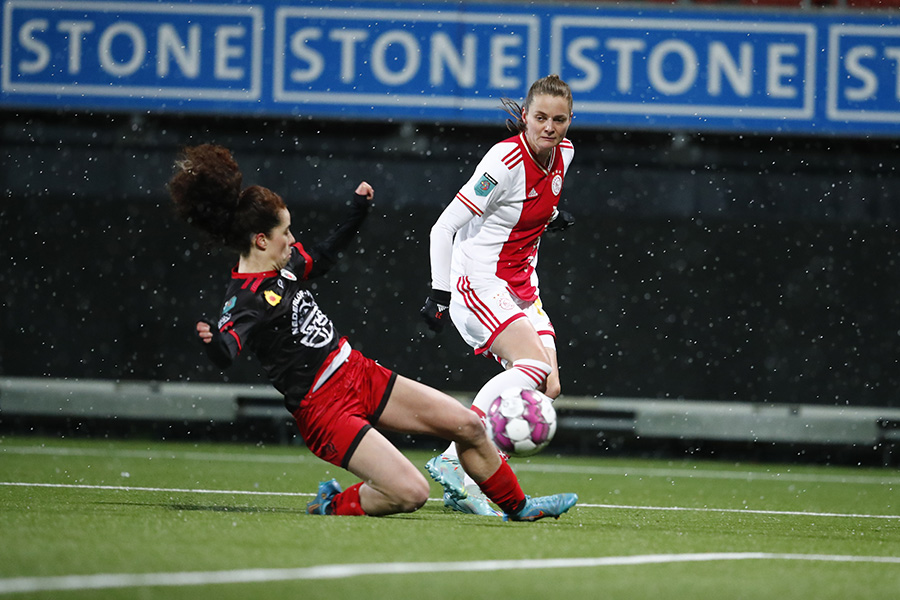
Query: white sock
x=525 y=373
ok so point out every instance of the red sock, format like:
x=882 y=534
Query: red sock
x=347 y=502
x=503 y=489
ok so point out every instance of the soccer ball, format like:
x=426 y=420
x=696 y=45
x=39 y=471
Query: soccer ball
x=522 y=422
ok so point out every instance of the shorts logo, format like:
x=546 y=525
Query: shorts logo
x=505 y=302
x=485 y=185
x=272 y=298
x=556 y=184
x=329 y=452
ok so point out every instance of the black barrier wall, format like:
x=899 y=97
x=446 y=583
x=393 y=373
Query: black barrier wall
x=703 y=267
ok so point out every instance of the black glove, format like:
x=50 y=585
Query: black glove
x=561 y=221
x=435 y=310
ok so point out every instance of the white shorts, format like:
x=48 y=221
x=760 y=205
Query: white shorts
x=481 y=314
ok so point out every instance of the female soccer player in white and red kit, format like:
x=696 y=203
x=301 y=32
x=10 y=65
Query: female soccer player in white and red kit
x=484 y=250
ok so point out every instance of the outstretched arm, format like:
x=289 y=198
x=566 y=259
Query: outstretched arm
x=324 y=254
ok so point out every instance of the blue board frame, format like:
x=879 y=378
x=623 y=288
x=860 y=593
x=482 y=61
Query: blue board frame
x=764 y=72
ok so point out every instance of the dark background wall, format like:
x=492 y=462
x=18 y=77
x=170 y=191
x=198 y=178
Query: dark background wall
x=701 y=266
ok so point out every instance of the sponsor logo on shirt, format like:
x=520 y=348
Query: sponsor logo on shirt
x=485 y=185
x=272 y=298
x=309 y=322
x=533 y=193
x=288 y=275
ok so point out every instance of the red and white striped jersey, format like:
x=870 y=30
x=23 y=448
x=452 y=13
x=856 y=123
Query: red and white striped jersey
x=512 y=197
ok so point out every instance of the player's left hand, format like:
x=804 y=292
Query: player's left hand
x=365 y=190
x=434 y=312
x=562 y=221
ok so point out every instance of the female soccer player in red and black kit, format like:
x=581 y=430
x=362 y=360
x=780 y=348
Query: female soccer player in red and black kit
x=336 y=395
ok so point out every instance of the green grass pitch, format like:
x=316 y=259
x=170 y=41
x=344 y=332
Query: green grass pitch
x=140 y=519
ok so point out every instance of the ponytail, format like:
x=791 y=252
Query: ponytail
x=551 y=85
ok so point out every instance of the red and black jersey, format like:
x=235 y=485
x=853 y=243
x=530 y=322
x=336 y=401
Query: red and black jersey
x=274 y=315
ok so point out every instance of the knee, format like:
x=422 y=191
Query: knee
x=469 y=428
x=412 y=496
x=552 y=389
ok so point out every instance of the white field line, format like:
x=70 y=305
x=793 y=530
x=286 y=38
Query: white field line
x=123 y=488
x=518 y=464
x=16 y=585
x=708 y=474
x=743 y=511
x=155 y=455
x=128 y=488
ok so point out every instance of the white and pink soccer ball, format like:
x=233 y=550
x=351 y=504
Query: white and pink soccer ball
x=522 y=422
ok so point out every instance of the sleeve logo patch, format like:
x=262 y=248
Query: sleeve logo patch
x=229 y=304
x=272 y=298
x=485 y=185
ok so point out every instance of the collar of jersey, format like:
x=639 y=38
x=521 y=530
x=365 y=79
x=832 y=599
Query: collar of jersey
x=534 y=159
x=263 y=275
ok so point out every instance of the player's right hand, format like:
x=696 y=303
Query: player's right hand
x=205 y=331
x=435 y=310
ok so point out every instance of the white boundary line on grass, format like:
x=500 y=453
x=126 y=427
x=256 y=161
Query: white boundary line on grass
x=743 y=511
x=151 y=454
x=676 y=473
x=521 y=465
x=128 y=488
x=122 y=488
x=16 y=585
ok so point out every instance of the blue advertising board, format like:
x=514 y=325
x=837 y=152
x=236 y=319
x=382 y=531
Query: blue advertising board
x=802 y=72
